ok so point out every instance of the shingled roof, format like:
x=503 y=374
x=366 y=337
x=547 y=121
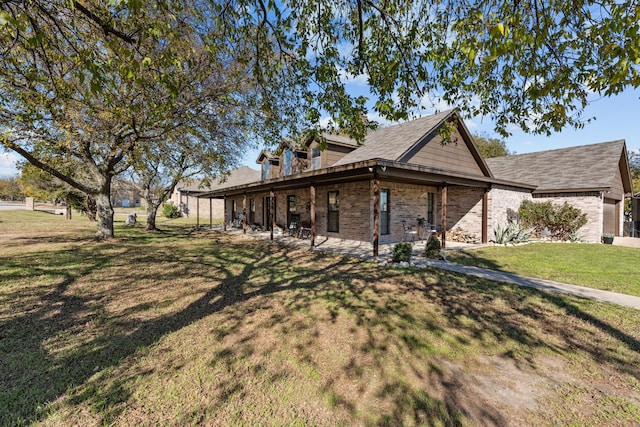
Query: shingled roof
x=392 y=142
x=587 y=167
x=239 y=176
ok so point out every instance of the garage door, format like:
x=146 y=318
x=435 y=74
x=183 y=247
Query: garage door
x=611 y=217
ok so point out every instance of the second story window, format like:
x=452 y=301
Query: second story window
x=315 y=158
x=265 y=170
x=287 y=155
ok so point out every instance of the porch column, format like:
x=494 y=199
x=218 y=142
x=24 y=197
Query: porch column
x=312 y=213
x=244 y=213
x=197 y=212
x=443 y=217
x=224 y=214
x=272 y=212
x=376 y=212
x=485 y=215
x=210 y=213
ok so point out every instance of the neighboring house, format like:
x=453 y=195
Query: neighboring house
x=399 y=174
x=125 y=195
x=594 y=178
x=186 y=193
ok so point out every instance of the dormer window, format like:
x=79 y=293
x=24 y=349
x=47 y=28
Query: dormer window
x=265 y=170
x=287 y=156
x=315 y=158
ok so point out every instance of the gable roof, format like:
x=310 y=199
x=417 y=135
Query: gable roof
x=392 y=142
x=586 y=167
x=401 y=142
x=238 y=176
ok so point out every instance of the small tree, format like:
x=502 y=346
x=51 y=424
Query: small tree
x=432 y=248
x=562 y=221
x=491 y=147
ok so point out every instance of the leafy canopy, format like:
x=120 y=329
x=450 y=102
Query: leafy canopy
x=491 y=147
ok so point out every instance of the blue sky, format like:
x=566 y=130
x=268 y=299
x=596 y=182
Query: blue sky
x=617 y=117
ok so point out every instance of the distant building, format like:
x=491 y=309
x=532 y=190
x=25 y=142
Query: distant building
x=125 y=195
x=185 y=194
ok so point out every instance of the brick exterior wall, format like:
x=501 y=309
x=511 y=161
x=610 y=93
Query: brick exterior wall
x=589 y=203
x=464 y=210
x=355 y=206
x=504 y=203
x=406 y=202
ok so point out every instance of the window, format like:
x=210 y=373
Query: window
x=315 y=158
x=291 y=209
x=333 y=211
x=384 y=212
x=287 y=161
x=233 y=209
x=265 y=170
x=431 y=209
x=252 y=211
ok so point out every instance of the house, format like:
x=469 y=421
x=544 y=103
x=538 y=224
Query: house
x=126 y=195
x=595 y=178
x=399 y=175
x=186 y=193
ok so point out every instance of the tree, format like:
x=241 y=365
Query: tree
x=98 y=84
x=10 y=189
x=490 y=146
x=43 y=186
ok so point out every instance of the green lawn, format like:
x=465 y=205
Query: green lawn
x=607 y=267
x=185 y=327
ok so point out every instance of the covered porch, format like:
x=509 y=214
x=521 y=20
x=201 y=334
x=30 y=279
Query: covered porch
x=367 y=202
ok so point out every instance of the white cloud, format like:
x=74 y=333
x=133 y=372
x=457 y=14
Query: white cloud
x=8 y=164
x=347 y=78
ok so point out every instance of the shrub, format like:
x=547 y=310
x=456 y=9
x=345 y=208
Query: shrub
x=432 y=248
x=402 y=252
x=169 y=210
x=511 y=233
x=562 y=221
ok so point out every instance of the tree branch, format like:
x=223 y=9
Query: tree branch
x=104 y=25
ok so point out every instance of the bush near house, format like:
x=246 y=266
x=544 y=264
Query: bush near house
x=511 y=233
x=170 y=210
x=562 y=221
x=402 y=252
x=432 y=248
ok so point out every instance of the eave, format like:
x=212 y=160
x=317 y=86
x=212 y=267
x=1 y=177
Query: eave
x=366 y=170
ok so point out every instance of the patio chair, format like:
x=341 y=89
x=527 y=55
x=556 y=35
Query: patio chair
x=408 y=232
x=428 y=231
x=293 y=228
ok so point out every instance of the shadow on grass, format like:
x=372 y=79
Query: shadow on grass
x=42 y=361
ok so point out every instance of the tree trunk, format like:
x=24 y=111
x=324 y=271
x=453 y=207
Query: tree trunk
x=152 y=211
x=104 y=216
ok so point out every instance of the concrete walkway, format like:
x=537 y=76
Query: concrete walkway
x=364 y=250
x=542 y=284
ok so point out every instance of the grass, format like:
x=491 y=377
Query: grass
x=185 y=327
x=606 y=267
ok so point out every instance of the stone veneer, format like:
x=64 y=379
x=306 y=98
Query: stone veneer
x=464 y=210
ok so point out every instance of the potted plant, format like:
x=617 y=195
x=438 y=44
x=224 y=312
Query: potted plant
x=607 y=238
